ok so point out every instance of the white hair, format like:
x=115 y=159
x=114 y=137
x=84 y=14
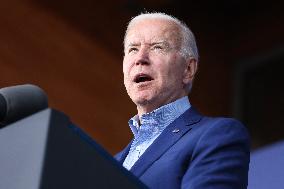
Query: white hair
x=188 y=44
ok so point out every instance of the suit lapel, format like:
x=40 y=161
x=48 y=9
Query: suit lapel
x=168 y=137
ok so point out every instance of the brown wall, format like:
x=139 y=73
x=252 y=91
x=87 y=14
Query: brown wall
x=81 y=78
x=76 y=57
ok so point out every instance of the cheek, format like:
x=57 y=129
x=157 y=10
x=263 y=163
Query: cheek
x=125 y=69
x=127 y=65
x=172 y=74
x=126 y=76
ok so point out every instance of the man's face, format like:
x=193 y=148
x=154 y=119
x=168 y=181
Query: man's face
x=153 y=67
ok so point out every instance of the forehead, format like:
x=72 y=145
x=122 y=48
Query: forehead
x=152 y=30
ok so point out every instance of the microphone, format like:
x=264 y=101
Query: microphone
x=17 y=102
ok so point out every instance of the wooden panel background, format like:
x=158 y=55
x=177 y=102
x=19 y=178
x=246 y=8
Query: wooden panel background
x=76 y=57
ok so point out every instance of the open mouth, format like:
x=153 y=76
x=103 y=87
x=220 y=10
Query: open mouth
x=142 y=78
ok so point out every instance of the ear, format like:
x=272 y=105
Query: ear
x=190 y=70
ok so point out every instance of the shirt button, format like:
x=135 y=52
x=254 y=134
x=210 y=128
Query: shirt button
x=138 y=148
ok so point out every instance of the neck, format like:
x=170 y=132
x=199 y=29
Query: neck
x=145 y=109
x=151 y=106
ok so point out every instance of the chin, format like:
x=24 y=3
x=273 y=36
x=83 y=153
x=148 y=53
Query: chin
x=142 y=99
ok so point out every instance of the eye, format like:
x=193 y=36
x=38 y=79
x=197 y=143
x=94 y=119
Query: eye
x=132 y=49
x=158 y=47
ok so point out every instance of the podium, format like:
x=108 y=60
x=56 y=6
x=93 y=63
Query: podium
x=46 y=151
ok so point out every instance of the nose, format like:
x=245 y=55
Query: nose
x=142 y=57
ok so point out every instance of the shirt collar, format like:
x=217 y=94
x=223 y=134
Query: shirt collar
x=160 y=117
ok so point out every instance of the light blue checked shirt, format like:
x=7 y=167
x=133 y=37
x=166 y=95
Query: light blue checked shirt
x=152 y=125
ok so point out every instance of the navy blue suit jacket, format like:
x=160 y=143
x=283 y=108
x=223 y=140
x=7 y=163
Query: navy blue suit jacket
x=205 y=153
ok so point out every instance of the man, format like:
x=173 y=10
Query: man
x=174 y=146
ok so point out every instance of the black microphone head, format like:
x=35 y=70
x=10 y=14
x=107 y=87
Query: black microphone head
x=17 y=102
x=3 y=107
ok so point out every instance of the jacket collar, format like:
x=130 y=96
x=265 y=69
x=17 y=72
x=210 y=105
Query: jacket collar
x=168 y=137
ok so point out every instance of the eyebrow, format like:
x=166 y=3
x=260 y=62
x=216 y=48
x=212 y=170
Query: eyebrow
x=133 y=44
x=159 y=42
